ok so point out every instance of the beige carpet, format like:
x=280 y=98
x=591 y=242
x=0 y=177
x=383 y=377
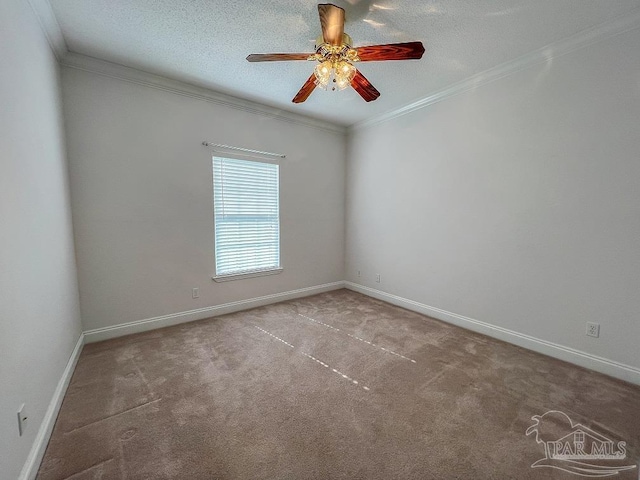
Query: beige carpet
x=336 y=385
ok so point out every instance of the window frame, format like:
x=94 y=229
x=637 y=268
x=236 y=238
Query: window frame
x=226 y=277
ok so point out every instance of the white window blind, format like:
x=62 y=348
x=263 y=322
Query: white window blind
x=247 y=216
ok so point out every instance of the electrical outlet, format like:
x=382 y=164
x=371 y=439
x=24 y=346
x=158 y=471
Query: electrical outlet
x=377 y=278
x=593 y=329
x=22 y=419
x=195 y=293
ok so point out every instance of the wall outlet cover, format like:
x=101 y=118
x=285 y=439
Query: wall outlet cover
x=593 y=329
x=22 y=419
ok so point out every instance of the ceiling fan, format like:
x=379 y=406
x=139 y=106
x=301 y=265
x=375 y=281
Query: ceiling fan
x=336 y=55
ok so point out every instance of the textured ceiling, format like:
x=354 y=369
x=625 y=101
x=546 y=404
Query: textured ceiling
x=205 y=42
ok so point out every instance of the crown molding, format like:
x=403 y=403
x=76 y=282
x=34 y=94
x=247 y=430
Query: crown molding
x=50 y=26
x=584 y=38
x=140 y=77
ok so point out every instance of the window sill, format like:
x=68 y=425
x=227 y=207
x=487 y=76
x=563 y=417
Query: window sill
x=240 y=276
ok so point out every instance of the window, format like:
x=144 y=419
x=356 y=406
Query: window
x=246 y=217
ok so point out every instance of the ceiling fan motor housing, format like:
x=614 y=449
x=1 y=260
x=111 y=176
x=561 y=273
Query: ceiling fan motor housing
x=335 y=53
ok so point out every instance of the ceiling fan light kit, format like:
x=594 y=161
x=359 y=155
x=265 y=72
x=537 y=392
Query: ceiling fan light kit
x=335 y=56
x=334 y=65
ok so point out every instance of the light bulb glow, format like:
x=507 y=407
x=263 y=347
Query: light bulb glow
x=338 y=74
x=345 y=69
x=322 y=73
x=344 y=73
x=342 y=83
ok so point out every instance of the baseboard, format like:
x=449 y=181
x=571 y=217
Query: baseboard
x=106 y=333
x=30 y=469
x=577 y=357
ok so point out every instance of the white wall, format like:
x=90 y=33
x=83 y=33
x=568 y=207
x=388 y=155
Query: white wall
x=142 y=199
x=516 y=204
x=39 y=312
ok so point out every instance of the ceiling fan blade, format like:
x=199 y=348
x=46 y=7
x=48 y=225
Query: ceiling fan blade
x=306 y=90
x=391 y=51
x=364 y=87
x=277 y=57
x=332 y=22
